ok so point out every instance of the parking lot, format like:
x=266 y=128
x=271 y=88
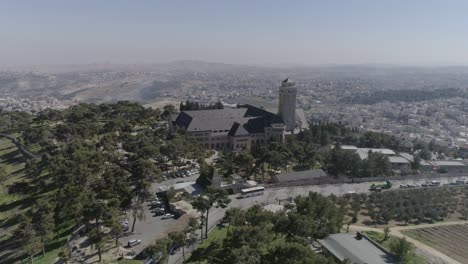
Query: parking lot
x=174 y=180
x=153 y=226
x=148 y=230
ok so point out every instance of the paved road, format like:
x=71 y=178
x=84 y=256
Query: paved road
x=273 y=195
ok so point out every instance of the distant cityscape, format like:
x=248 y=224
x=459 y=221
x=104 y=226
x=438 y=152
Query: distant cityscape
x=443 y=121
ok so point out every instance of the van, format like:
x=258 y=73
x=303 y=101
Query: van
x=133 y=242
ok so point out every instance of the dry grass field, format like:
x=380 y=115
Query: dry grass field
x=451 y=240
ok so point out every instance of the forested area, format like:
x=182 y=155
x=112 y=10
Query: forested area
x=256 y=235
x=403 y=95
x=191 y=105
x=94 y=162
x=317 y=147
x=405 y=207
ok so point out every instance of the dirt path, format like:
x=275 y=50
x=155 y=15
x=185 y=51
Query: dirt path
x=434 y=255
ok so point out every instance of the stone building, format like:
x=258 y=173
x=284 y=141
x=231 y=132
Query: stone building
x=245 y=126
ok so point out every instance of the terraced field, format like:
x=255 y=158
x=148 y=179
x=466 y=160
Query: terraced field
x=451 y=240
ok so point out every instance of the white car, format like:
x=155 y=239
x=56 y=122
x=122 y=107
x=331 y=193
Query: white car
x=167 y=216
x=133 y=242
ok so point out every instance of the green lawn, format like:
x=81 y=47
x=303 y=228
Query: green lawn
x=11 y=161
x=13 y=204
x=378 y=237
x=49 y=257
x=216 y=236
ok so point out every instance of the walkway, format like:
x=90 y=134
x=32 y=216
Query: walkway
x=26 y=153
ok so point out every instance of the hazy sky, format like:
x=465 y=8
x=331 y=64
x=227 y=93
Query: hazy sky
x=252 y=32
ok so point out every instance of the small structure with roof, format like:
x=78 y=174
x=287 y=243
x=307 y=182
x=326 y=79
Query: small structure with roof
x=358 y=249
x=298 y=176
x=452 y=166
x=399 y=163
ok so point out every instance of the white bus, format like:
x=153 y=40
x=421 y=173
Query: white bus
x=254 y=191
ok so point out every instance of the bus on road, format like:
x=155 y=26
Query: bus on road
x=254 y=191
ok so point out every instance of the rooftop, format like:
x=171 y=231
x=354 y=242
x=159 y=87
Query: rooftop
x=287 y=82
x=299 y=175
x=407 y=156
x=364 y=152
x=233 y=122
x=396 y=159
x=274 y=207
x=346 y=246
x=215 y=119
x=447 y=163
x=349 y=147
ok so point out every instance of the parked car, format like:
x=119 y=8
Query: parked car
x=159 y=212
x=156 y=202
x=133 y=242
x=403 y=186
x=435 y=183
x=157 y=206
x=174 y=248
x=167 y=216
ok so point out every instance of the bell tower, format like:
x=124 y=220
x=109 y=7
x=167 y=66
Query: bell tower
x=287 y=103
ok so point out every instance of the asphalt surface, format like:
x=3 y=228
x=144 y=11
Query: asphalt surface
x=276 y=195
x=153 y=227
x=147 y=230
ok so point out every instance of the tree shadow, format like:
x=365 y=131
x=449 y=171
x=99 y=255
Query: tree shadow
x=200 y=253
x=8 y=222
x=12 y=158
x=12 y=249
x=7 y=148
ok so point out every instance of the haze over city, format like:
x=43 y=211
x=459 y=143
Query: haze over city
x=233 y=132
x=240 y=32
